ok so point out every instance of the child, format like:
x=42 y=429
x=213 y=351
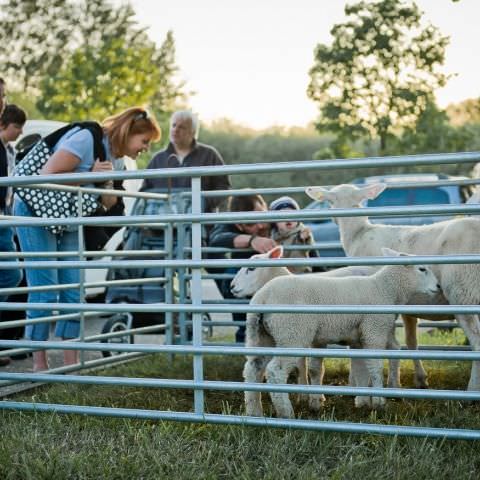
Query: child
x=291 y=232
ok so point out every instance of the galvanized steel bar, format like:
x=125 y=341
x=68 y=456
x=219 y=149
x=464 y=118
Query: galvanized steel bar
x=269 y=168
x=229 y=308
x=216 y=419
x=246 y=217
x=243 y=351
x=244 y=386
x=196 y=289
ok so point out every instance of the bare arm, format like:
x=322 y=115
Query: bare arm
x=61 y=161
x=257 y=243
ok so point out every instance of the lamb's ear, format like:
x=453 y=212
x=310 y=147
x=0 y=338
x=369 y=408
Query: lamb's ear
x=388 y=252
x=276 y=252
x=317 y=193
x=373 y=191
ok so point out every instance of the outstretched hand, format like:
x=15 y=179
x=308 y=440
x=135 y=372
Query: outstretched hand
x=263 y=244
x=305 y=233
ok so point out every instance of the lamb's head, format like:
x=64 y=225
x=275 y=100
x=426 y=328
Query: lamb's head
x=249 y=280
x=419 y=280
x=346 y=195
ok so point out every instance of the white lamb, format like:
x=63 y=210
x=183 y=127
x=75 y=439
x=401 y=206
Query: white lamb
x=249 y=280
x=390 y=285
x=460 y=283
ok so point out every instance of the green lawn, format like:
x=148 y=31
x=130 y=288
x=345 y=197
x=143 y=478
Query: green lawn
x=50 y=446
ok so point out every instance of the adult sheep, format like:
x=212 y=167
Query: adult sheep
x=460 y=283
x=392 y=284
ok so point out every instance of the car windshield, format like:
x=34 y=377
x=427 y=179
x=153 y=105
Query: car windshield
x=412 y=196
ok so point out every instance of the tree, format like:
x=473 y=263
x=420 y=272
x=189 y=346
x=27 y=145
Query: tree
x=169 y=95
x=464 y=112
x=35 y=35
x=379 y=72
x=433 y=133
x=98 y=81
x=102 y=61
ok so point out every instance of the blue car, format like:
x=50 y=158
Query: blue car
x=326 y=232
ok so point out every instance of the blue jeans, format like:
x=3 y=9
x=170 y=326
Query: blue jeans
x=12 y=277
x=39 y=239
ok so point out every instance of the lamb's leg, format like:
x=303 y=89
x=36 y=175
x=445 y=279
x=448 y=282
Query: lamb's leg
x=375 y=369
x=471 y=327
x=302 y=378
x=316 y=370
x=254 y=372
x=278 y=370
x=411 y=341
x=374 y=366
x=360 y=377
x=393 y=365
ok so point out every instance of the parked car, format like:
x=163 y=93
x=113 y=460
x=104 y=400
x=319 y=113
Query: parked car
x=326 y=232
x=34 y=130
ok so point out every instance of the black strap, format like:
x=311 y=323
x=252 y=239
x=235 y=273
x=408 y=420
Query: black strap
x=93 y=127
x=3 y=173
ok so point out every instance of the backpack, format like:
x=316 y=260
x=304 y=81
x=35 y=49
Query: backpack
x=56 y=204
x=52 y=139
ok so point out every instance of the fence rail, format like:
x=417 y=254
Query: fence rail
x=180 y=258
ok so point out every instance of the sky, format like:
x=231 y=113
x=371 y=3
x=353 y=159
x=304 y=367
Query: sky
x=248 y=60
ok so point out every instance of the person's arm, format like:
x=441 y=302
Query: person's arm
x=62 y=161
x=258 y=243
x=222 y=235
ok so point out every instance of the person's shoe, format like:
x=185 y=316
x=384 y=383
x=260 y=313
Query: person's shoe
x=4 y=361
x=20 y=356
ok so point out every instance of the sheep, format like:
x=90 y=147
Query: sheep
x=460 y=283
x=393 y=284
x=249 y=280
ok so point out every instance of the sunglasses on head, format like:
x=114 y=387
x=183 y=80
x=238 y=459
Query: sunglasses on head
x=141 y=116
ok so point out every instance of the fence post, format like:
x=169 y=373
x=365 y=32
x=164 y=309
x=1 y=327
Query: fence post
x=169 y=295
x=81 y=256
x=196 y=289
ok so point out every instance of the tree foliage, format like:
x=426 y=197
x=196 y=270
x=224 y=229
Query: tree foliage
x=98 y=81
x=35 y=36
x=466 y=112
x=101 y=61
x=379 y=72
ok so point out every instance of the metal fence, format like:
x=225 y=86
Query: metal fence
x=185 y=312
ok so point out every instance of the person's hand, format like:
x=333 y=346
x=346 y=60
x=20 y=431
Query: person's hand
x=305 y=233
x=262 y=244
x=99 y=166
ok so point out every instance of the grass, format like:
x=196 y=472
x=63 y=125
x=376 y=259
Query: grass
x=50 y=446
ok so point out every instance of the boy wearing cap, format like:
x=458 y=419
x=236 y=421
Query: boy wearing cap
x=291 y=232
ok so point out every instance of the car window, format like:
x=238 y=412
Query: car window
x=414 y=196
x=27 y=141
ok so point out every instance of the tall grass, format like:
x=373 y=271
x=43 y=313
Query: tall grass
x=41 y=446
